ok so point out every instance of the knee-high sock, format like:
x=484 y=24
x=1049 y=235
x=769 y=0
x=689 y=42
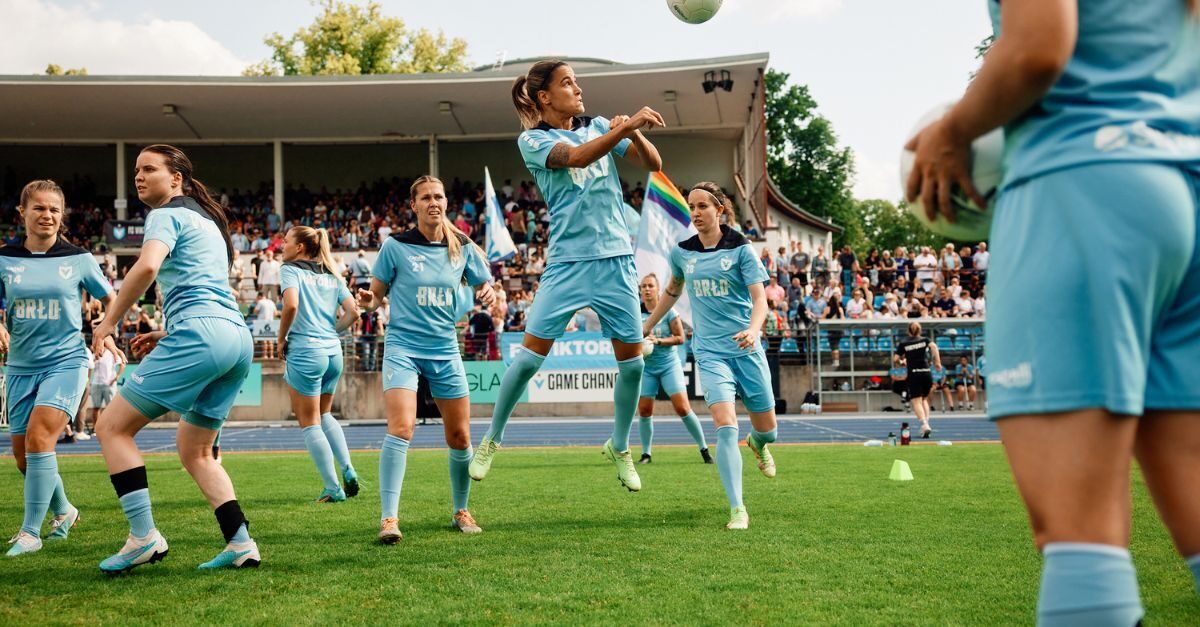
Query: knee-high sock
x=132 y=489
x=58 y=500
x=763 y=437
x=1088 y=584
x=1193 y=563
x=337 y=441
x=460 y=480
x=322 y=456
x=646 y=431
x=729 y=463
x=392 y=461
x=692 y=423
x=41 y=473
x=516 y=379
x=625 y=397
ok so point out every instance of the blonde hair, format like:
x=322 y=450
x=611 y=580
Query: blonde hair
x=315 y=243
x=451 y=233
x=525 y=90
x=40 y=185
x=914 y=329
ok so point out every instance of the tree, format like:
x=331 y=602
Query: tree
x=56 y=70
x=886 y=226
x=347 y=38
x=804 y=159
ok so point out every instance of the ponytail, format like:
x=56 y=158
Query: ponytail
x=178 y=162
x=525 y=90
x=315 y=244
x=325 y=252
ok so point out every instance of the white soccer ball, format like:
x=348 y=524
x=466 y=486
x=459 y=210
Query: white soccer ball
x=694 y=11
x=647 y=348
x=987 y=171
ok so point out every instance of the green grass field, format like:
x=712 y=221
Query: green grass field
x=831 y=541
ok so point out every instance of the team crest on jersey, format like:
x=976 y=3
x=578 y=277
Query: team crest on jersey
x=66 y=271
x=726 y=263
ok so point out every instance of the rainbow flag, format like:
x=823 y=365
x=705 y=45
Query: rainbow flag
x=666 y=221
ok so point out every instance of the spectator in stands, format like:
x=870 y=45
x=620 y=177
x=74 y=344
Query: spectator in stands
x=260 y=241
x=240 y=242
x=848 y=264
x=891 y=307
x=783 y=266
x=901 y=286
x=980 y=304
x=385 y=231
x=383 y=315
x=964 y=376
x=749 y=231
x=955 y=288
x=949 y=264
x=887 y=270
x=857 y=307
x=981 y=261
x=12 y=239
x=775 y=291
x=535 y=265
x=264 y=312
x=820 y=267
x=835 y=312
x=795 y=296
x=817 y=305
x=368 y=334
x=872 y=266
x=235 y=274
x=799 y=263
x=269 y=275
x=968 y=262
x=360 y=271
x=925 y=265
x=943 y=307
x=964 y=305
x=481 y=328
x=276 y=244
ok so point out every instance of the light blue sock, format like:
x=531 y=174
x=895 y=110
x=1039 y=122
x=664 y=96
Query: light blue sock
x=136 y=506
x=646 y=431
x=1193 y=563
x=460 y=480
x=41 y=473
x=763 y=437
x=322 y=456
x=729 y=463
x=337 y=441
x=242 y=535
x=625 y=397
x=516 y=380
x=392 y=461
x=58 y=501
x=692 y=423
x=1088 y=584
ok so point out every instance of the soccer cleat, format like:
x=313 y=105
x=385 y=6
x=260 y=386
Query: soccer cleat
x=645 y=459
x=926 y=432
x=236 y=555
x=706 y=456
x=739 y=518
x=82 y=436
x=481 y=461
x=332 y=496
x=766 y=463
x=137 y=551
x=626 y=473
x=389 y=530
x=23 y=543
x=464 y=522
x=63 y=524
x=350 y=481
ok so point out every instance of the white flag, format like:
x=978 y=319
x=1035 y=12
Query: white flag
x=500 y=245
x=666 y=221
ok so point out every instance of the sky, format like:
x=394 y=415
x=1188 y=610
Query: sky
x=873 y=66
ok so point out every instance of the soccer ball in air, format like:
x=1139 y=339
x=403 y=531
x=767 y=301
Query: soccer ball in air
x=987 y=171
x=694 y=11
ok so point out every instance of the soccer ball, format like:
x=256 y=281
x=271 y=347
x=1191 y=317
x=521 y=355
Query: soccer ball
x=987 y=171
x=694 y=11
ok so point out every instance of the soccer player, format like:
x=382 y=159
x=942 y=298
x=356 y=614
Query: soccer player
x=941 y=385
x=663 y=371
x=40 y=282
x=194 y=367
x=313 y=292
x=427 y=271
x=1101 y=102
x=916 y=350
x=590 y=259
x=724 y=281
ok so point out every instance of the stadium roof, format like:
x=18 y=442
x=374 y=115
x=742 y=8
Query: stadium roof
x=64 y=109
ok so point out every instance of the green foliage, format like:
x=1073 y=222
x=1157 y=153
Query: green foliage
x=55 y=69
x=831 y=541
x=887 y=226
x=348 y=38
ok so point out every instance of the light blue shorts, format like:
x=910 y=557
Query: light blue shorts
x=669 y=379
x=1116 y=323
x=608 y=286
x=312 y=371
x=447 y=377
x=744 y=375
x=60 y=388
x=197 y=371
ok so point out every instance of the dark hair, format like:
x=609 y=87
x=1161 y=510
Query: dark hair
x=177 y=162
x=525 y=90
x=717 y=193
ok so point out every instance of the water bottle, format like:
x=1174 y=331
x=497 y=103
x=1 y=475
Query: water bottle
x=892 y=438
x=905 y=436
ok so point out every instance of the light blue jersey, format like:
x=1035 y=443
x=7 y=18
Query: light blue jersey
x=663 y=357
x=425 y=292
x=194 y=278
x=587 y=208
x=1131 y=92
x=717 y=280
x=43 y=308
x=320 y=293
x=938 y=373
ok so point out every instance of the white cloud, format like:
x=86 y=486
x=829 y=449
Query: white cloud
x=876 y=179
x=776 y=9
x=35 y=33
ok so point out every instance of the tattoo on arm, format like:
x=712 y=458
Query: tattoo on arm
x=675 y=289
x=558 y=156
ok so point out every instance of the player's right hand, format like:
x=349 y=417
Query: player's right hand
x=3 y=339
x=366 y=299
x=143 y=343
x=645 y=118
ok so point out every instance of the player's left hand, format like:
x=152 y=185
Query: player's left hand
x=486 y=295
x=111 y=346
x=942 y=161
x=748 y=339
